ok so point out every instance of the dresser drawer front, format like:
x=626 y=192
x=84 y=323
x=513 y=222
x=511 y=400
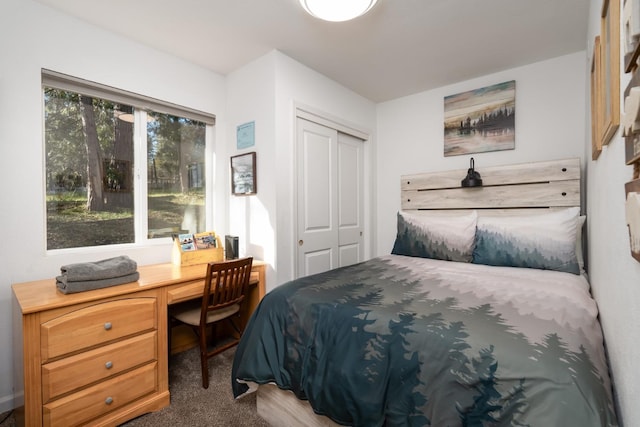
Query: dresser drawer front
x=93 y=402
x=96 y=324
x=70 y=373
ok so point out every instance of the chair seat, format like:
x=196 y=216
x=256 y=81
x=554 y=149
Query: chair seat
x=189 y=312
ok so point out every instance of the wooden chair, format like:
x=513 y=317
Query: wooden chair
x=225 y=289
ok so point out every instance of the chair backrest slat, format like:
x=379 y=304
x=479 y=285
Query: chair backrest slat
x=226 y=284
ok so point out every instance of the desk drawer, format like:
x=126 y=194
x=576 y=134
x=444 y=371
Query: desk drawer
x=95 y=325
x=190 y=290
x=68 y=374
x=185 y=291
x=85 y=405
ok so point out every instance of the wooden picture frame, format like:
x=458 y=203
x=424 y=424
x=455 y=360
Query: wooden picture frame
x=610 y=67
x=630 y=119
x=596 y=101
x=243 y=174
x=631 y=33
x=632 y=148
x=632 y=211
x=480 y=120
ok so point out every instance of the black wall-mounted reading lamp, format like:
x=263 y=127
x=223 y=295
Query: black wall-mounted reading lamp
x=473 y=178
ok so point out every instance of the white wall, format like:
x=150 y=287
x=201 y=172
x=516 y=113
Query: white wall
x=250 y=94
x=614 y=274
x=550 y=114
x=267 y=91
x=33 y=37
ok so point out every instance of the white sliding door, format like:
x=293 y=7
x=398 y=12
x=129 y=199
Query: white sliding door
x=330 y=198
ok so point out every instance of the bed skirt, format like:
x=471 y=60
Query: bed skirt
x=282 y=408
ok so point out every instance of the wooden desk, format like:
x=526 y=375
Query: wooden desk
x=101 y=356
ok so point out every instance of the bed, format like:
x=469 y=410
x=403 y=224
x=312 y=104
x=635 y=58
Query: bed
x=481 y=315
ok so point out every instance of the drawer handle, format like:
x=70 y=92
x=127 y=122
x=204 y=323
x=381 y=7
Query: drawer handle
x=107 y=326
x=108 y=365
x=108 y=400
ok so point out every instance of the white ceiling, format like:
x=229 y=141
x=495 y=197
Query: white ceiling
x=400 y=47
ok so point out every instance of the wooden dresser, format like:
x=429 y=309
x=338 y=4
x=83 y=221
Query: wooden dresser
x=100 y=357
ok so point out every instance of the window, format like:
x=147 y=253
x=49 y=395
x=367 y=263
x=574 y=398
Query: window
x=175 y=196
x=120 y=168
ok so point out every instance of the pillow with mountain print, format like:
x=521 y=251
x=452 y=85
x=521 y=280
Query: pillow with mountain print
x=544 y=241
x=447 y=237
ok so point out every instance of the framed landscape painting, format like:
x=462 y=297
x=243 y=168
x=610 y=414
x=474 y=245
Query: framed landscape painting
x=480 y=120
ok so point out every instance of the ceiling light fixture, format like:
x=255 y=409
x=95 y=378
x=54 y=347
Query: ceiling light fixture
x=337 y=10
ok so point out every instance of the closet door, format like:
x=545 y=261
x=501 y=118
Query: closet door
x=329 y=198
x=350 y=199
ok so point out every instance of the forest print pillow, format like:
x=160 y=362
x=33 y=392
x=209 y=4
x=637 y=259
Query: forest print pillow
x=546 y=241
x=436 y=236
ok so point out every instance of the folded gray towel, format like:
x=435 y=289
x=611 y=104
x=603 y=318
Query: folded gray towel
x=70 y=287
x=104 y=269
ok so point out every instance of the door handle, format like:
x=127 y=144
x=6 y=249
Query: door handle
x=300 y=242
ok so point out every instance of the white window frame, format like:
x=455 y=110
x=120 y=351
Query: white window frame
x=141 y=105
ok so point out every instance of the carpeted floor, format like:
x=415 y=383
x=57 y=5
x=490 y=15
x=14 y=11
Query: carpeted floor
x=7 y=420
x=192 y=405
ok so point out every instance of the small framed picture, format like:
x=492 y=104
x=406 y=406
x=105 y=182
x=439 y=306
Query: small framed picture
x=243 y=174
x=632 y=208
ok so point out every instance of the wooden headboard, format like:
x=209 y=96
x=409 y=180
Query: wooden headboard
x=519 y=187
